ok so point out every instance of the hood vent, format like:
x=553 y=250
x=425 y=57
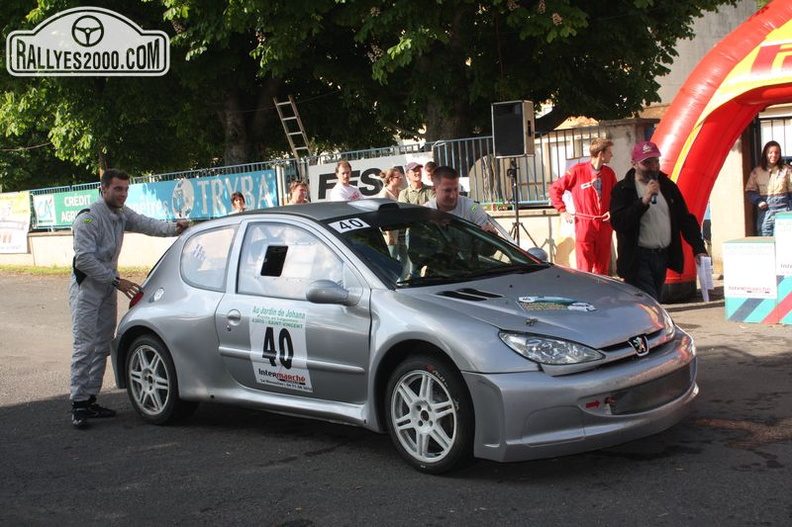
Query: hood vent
x=472 y=295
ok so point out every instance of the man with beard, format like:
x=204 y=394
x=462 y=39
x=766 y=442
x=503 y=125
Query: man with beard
x=648 y=213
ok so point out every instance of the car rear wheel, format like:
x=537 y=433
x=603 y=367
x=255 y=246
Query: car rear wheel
x=430 y=415
x=152 y=384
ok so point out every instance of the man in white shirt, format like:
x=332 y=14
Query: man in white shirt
x=343 y=191
x=447 y=199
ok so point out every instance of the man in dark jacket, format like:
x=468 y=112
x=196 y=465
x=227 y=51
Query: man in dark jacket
x=648 y=213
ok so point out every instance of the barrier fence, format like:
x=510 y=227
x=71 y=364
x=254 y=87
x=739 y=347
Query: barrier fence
x=485 y=177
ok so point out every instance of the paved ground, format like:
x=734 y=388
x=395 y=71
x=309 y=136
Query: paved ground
x=728 y=464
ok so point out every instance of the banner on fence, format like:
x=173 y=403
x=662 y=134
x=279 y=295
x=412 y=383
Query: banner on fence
x=194 y=199
x=365 y=174
x=14 y=222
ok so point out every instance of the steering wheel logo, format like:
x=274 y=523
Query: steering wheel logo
x=87 y=31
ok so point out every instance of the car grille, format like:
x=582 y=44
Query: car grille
x=625 y=350
x=654 y=393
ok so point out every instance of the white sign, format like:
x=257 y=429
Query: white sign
x=365 y=174
x=783 y=243
x=749 y=268
x=87 y=42
x=279 y=355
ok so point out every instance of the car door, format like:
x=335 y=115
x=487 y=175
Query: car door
x=272 y=339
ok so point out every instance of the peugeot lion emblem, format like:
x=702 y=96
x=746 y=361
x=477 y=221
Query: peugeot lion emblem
x=641 y=345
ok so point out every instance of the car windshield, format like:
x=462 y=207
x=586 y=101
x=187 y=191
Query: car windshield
x=422 y=246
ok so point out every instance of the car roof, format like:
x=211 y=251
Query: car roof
x=328 y=210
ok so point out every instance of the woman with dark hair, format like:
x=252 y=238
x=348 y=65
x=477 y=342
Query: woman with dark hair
x=237 y=203
x=769 y=187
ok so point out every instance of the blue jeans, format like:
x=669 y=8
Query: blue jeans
x=765 y=222
x=650 y=278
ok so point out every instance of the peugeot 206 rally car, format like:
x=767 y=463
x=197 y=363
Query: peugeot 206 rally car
x=455 y=342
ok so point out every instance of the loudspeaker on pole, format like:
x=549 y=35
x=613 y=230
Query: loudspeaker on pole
x=513 y=128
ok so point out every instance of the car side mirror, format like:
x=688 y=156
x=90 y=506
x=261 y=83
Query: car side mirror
x=329 y=292
x=538 y=253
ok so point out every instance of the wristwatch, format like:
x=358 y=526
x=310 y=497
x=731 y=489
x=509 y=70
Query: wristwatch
x=116 y=282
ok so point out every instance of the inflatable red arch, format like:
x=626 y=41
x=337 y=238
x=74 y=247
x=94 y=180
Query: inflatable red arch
x=749 y=70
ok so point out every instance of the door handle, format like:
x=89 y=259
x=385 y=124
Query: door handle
x=233 y=318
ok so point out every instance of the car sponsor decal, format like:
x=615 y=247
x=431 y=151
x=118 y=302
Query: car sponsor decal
x=553 y=303
x=278 y=350
x=349 y=224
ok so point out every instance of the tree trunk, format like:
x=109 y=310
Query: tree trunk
x=237 y=143
x=443 y=122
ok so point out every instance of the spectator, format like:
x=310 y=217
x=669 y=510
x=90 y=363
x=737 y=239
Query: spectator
x=769 y=188
x=447 y=199
x=98 y=236
x=343 y=191
x=648 y=214
x=590 y=184
x=390 y=190
x=298 y=193
x=416 y=192
x=429 y=169
x=237 y=203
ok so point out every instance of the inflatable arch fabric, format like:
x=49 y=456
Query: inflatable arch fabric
x=749 y=70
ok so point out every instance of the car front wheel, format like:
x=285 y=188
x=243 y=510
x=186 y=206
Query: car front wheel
x=430 y=415
x=152 y=384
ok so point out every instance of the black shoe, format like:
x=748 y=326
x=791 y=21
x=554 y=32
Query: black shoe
x=79 y=416
x=95 y=411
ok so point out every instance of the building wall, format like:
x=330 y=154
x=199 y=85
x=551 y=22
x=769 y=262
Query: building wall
x=708 y=30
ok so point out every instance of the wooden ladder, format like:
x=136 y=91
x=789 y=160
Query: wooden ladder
x=293 y=126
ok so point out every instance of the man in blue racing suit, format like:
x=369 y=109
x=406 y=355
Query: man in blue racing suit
x=98 y=236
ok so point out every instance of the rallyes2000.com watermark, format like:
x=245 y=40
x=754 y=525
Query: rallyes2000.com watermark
x=87 y=42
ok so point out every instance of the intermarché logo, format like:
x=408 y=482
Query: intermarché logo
x=87 y=42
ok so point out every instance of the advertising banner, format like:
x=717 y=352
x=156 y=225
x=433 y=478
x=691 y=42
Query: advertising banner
x=365 y=174
x=14 y=222
x=194 y=199
x=58 y=210
x=203 y=197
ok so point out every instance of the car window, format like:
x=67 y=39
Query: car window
x=283 y=260
x=435 y=246
x=204 y=258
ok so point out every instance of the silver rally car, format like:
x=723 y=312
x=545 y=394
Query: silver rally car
x=454 y=341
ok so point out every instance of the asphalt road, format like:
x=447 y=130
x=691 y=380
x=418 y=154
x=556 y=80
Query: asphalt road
x=728 y=464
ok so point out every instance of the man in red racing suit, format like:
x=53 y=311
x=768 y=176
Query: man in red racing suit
x=590 y=183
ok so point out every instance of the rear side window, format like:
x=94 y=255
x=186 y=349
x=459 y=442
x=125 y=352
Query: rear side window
x=283 y=260
x=204 y=258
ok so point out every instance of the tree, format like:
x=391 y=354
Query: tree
x=362 y=72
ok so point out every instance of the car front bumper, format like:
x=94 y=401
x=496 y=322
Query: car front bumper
x=532 y=415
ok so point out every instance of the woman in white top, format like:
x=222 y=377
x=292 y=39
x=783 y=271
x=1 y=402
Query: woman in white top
x=393 y=182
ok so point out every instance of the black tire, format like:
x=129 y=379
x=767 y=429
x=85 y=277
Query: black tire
x=433 y=430
x=152 y=383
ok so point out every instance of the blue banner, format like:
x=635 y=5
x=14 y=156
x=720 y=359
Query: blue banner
x=198 y=198
x=203 y=197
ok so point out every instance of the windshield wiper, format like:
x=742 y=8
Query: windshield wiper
x=506 y=269
x=411 y=281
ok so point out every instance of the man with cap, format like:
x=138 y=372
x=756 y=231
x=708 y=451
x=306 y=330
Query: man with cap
x=416 y=192
x=649 y=214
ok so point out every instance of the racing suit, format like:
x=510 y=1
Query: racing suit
x=593 y=231
x=98 y=236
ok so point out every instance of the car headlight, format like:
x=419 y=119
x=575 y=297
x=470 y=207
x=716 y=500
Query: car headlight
x=668 y=325
x=546 y=350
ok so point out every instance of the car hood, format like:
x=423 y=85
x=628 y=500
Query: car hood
x=558 y=302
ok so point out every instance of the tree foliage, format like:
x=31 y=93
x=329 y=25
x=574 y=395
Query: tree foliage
x=362 y=72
